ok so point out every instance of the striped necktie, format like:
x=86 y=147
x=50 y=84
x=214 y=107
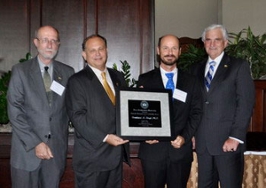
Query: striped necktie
x=209 y=75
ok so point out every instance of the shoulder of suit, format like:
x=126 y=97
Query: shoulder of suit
x=231 y=60
x=84 y=73
x=62 y=65
x=114 y=71
x=186 y=75
x=150 y=73
x=26 y=64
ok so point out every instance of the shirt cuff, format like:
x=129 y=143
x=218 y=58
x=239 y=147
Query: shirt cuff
x=105 y=138
x=240 y=141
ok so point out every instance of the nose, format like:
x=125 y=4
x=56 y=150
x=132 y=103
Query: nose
x=212 y=43
x=49 y=44
x=97 y=52
x=170 y=51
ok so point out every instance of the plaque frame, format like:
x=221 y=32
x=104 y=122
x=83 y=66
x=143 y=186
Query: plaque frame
x=123 y=129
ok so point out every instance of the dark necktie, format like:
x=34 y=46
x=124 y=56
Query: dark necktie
x=47 y=83
x=170 y=83
x=108 y=89
x=209 y=75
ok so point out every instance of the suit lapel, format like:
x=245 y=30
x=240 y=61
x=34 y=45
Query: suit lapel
x=202 y=77
x=115 y=80
x=221 y=70
x=157 y=78
x=58 y=77
x=97 y=84
x=180 y=80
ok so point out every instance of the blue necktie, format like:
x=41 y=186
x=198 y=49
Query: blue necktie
x=209 y=75
x=170 y=83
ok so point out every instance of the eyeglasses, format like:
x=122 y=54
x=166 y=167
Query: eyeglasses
x=46 y=41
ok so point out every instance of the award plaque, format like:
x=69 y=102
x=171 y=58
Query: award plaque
x=143 y=114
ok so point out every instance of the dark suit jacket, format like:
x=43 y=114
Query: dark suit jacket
x=31 y=117
x=186 y=117
x=93 y=116
x=227 y=106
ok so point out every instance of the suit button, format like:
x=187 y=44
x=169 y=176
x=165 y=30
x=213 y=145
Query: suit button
x=50 y=119
x=207 y=102
x=48 y=136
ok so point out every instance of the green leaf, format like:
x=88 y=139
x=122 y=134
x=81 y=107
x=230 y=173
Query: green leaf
x=252 y=48
x=126 y=72
x=28 y=57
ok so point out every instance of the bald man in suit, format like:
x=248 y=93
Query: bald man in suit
x=169 y=162
x=38 y=115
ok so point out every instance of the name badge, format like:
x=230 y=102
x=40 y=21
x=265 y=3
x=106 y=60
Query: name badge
x=57 y=88
x=180 y=95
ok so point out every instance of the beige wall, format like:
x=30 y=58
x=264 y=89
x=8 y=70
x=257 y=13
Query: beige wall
x=190 y=17
x=239 y=14
x=184 y=17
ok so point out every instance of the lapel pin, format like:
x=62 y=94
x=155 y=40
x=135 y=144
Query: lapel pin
x=225 y=66
x=59 y=78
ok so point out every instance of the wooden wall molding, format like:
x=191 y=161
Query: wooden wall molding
x=258 y=120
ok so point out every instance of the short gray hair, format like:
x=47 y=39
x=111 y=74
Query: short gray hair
x=215 y=26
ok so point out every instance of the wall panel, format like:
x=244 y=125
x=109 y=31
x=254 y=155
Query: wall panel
x=14 y=32
x=67 y=17
x=124 y=29
x=127 y=25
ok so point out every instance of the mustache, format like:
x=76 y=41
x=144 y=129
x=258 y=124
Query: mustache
x=169 y=56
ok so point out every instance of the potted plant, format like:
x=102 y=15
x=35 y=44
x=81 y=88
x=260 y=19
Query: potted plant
x=252 y=48
x=4 y=81
x=193 y=54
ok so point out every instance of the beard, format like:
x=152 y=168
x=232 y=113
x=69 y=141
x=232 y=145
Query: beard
x=44 y=53
x=170 y=62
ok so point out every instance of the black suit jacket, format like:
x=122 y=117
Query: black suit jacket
x=93 y=116
x=227 y=106
x=186 y=117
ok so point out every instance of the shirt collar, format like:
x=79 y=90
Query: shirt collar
x=164 y=71
x=217 y=59
x=42 y=65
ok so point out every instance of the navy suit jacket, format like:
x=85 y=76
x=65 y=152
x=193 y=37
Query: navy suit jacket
x=93 y=116
x=186 y=117
x=228 y=104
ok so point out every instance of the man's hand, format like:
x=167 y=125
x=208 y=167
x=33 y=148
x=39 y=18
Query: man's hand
x=178 y=142
x=230 y=145
x=43 y=151
x=115 y=140
x=152 y=141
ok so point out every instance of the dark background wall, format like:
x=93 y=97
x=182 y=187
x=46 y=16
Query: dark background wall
x=128 y=26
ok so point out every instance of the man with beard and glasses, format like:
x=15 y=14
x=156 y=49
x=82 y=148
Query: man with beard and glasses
x=38 y=115
x=169 y=162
